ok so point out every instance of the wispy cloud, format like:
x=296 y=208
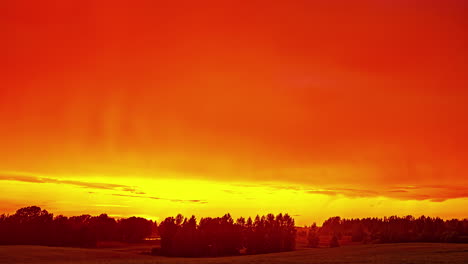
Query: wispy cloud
x=111 y=205
x=128 y=191
x=433 y=193
x=84 y=184
x=159 y=198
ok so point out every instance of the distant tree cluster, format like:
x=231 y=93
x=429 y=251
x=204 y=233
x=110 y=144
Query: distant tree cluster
x=393 y=229
x=34 y=226
x=221 y=236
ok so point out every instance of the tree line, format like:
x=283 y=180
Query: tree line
x=392 y=229
x=222 y=236
x=180 y=236
x=34 y=226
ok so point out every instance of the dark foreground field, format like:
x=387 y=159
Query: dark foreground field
x=384 y=253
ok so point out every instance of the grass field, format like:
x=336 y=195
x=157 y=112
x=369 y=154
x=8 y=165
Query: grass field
x=383 y=253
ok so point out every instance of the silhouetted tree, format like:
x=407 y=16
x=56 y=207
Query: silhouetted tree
x=134 y=229
x=313 y=239
x=104 y=227
x=185 y=243
x=167 y=230
x=31 y=225
x=334 y=241
x=358 y=234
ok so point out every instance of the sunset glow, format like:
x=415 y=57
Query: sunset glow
x=153 y=108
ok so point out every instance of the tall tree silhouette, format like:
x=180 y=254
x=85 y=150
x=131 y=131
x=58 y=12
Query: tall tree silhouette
x=313 y=239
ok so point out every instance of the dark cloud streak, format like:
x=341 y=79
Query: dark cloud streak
x=159 y=198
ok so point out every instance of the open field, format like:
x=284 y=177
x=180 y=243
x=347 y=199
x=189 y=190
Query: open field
x=383 y=253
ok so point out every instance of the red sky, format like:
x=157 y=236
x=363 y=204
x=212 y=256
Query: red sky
x=342 y=100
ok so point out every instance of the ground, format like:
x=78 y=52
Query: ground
x=413 y=253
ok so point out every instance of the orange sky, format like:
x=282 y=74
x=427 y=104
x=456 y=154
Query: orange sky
x=307 y=107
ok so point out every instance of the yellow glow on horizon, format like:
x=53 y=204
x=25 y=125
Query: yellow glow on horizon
x=158 y=198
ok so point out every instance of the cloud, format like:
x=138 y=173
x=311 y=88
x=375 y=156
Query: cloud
x=93 y=185
x=111 y=205
x=135 y=196
x=398 y=191
x=327 y=192
x=159 y=198
x=233 y=192
x=84 y=184
x=433 y=193
x=438 y=200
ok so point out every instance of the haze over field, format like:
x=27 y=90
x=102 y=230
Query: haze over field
x=313 y=108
